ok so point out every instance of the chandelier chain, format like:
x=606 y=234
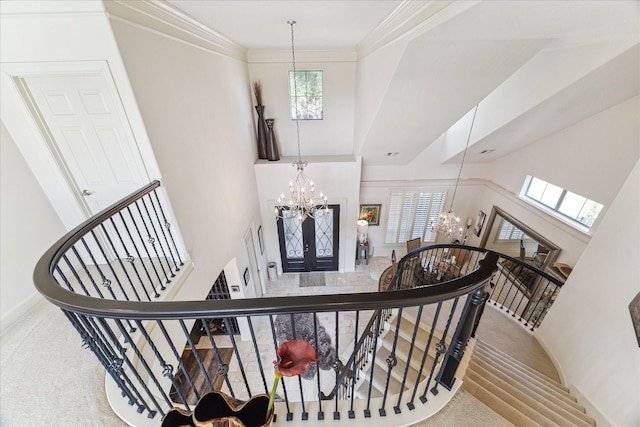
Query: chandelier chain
x=464 y=155
x=295 y=88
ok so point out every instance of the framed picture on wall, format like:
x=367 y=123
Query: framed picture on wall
x=370 y=213
x=479 y=223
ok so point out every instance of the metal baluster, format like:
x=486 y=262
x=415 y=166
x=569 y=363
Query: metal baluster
x=64 y=279
x=75 y=274
x=317 y=345
x=152 y=240
x=284 y=388
x=441 y=348
x=168 y=227
x=105 y=282
x=194 y=350
x=367 y=411
x=119 y=259
x=336 y=413
x=167 y=369
x=258 y=357
x=178 y=357
x=135 y=247
x=86 y=270
x=305 y=414
x=157 y=236
x=227 y=322
x=162 y=225
x=146 y=250
x=396 y=409
x=352 y=414
x=113 y=272
x=141 y=358
x=130 y=258
x=410 y=405
x=392 y=361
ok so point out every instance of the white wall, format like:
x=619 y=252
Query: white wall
x=588 y=330
x=196 y=106
x=331 y=136
x=28 y=226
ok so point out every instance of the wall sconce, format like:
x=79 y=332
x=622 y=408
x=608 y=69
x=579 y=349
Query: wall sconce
x=466 y=231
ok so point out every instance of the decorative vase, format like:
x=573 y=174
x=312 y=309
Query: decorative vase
x=272 y=144
x=216 y=409
x=262 y=133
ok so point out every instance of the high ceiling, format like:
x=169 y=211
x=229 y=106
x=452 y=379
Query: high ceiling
x=534 y=67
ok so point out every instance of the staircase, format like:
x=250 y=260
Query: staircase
x=402 y=353
x=520 y=394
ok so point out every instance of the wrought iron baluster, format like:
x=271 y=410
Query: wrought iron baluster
x=119 y=260
x=352 y=413
x=157 y=236
x=194 y=351
x=317 y=345
x=75 y=274
x=336 y=413
x=146 y=250
x=105 y=282
x=162 y=225
x=410 y=405
x=178 y=358
x=151 y=240
x=392 y=362
x=416 y=327
x=367 y=411
x=284 y=388
x=166 y=221
x=258 y=357
x=113 y=272
x=130 y=258
x=227 y=321
x=135 y=247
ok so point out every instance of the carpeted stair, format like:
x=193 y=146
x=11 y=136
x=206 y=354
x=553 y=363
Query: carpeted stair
x=520 y=394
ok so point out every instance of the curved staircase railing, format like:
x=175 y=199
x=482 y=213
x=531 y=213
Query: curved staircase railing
x=111 y=275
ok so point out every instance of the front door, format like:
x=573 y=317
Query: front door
x=311 y=245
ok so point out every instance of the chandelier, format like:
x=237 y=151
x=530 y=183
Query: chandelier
x=449 y=223
x=301 y=201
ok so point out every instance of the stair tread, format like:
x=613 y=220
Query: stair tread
x=554 y=413
x=499 y=406
x=543 y=389
x=524 y=374
x=487 y=348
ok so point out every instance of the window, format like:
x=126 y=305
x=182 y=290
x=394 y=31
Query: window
x=306 y=95
x=509 y=231
x=410 y=214
x=569 y=205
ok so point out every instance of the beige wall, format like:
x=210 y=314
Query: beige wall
x=28 y=226
x=589 y=329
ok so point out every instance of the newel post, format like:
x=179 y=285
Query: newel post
x=467 y=325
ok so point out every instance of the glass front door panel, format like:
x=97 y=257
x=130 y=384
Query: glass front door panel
x=324 y=233
x=293 y=235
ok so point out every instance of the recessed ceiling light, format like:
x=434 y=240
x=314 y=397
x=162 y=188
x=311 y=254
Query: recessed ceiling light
x=391 y=154
x=491 y=150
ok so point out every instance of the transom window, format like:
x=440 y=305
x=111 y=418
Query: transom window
x=410 y=214
x=567 y=204
x=306 y=95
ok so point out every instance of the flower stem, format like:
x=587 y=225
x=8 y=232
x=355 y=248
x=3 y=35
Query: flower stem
x=273 y=395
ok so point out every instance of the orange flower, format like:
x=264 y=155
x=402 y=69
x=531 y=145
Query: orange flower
x=295 y=356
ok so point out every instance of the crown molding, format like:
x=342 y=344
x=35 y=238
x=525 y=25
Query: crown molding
x=409 y=18
x=161 y=17
x=264 y=56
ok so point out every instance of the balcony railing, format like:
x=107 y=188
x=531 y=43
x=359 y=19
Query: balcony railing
x=377 y=350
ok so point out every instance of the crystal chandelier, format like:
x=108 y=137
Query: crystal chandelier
x=301 y=201
x=449 y=223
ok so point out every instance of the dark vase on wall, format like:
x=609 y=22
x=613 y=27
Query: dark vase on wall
x=262 y=133
x=272 y=144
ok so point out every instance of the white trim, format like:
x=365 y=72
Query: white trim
x=22 y=309
x=165 y=19
x=268 y=56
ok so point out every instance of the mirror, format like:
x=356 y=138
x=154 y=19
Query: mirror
x=506 y=235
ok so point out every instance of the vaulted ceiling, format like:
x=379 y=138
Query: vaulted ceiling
x=533 y=67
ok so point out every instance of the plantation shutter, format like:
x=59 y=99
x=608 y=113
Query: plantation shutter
x=410 y=214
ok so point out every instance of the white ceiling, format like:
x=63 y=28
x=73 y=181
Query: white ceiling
x=535 y=67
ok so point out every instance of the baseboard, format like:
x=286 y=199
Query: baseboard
x=19 y=311
x=592 y=411
x=552 y=357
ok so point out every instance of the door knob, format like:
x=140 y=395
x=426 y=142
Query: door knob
x=86 y=192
